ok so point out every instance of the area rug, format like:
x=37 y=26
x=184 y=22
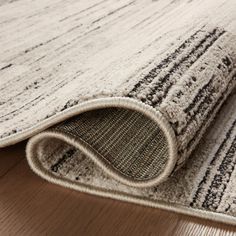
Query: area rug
x=132 y=99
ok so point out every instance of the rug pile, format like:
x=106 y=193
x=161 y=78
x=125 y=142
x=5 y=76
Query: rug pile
x=133 y=100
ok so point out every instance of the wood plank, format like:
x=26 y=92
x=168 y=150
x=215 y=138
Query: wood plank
x=31 y=206
x=10 y=156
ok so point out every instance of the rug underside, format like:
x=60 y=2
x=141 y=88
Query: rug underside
x=121 y=100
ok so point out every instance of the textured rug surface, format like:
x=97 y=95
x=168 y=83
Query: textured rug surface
x=133 y=100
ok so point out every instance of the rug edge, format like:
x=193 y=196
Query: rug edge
x=116 y=195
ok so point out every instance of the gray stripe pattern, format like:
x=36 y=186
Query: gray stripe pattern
x=125 y=93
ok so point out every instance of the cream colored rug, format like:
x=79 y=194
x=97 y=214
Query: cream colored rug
x=133 y=100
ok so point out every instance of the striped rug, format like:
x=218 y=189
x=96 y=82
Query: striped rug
x=131 y=99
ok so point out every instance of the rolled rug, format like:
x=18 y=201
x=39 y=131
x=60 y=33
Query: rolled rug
x=118 y=97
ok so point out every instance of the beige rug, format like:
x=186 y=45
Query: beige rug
x=137 y=98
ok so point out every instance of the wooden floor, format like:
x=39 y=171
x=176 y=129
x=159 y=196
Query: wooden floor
x=31 y=206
